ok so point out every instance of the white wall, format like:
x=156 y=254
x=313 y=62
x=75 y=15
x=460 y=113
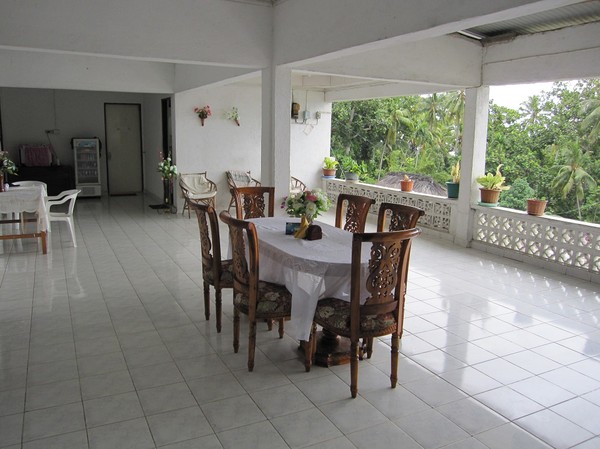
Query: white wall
x=220 y=144
x=310 y=142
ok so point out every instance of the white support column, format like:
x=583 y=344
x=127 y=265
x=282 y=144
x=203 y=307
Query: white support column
x=474 y=147
x=277 y=100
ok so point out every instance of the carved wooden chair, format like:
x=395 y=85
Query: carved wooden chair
x=296 y=185
x=380 y=314
x=197 y=189
x=254 y=202
x=239 y=178
x=258 y=299
x=401 y=217
x=215 y=271
x=357 y=209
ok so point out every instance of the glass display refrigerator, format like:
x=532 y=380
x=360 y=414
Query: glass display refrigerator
x=87 y=166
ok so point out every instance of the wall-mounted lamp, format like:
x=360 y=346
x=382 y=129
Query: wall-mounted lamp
x=295 y=110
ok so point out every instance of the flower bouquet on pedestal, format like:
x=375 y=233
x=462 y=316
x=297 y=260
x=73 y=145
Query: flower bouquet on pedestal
x=307 y=206
x=167 y=171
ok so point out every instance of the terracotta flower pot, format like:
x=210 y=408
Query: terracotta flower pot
x=407 y=186
x=536 y=207
x=329 y=172
x=489 y=196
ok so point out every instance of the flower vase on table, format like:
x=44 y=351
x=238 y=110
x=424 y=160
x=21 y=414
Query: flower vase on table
x=307 y=206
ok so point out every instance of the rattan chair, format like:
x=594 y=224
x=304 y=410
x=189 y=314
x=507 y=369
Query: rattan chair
x=379 y=313
x=356 y=210
x=296 y=185
x=239 y=178
x=197 y=189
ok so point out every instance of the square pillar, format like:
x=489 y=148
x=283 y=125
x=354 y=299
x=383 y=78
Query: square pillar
x=474 y=146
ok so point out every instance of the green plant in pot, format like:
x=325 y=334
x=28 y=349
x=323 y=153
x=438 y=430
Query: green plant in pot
x=352 y=169
x=491 y=186
x=452 y=186
x=330 y=166
x=536 y=206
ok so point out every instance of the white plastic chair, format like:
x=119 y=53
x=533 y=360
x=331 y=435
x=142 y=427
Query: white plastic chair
x=62 y=198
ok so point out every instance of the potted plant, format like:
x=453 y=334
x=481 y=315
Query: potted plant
x=536 y=206
x=452 y=186
x=406 y=185
x=330 y=166
x=352 y=169
x=491 y=186
x=7 y=167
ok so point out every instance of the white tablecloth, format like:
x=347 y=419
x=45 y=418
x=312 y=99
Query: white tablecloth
x=26 y=199
x=309 y=269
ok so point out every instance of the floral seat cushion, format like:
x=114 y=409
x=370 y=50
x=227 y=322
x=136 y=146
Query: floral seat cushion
x=226 y=274
x=275 y=301
x=336 y=313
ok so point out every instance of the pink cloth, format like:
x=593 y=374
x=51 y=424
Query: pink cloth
x=36 y=155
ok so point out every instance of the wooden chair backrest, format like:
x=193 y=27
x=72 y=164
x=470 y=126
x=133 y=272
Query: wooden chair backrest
x=250 y=202
x=357 y=209
x=401 y=217
x=385 y=280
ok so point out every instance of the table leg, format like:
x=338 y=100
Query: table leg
x=331 y=349
x=43 y=235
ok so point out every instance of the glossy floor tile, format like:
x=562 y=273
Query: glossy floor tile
x=106 y=345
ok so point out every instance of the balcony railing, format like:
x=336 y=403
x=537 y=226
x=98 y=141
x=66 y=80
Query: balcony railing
x=556 y=243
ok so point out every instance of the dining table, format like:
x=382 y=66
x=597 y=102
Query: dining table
x=310 y=270
x=18 y=200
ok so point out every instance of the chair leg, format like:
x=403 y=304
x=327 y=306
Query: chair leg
x=394 y=370
x=281 y=320
x=236 y=330
x=218 y=306
x=251 y=344
x=269 y=324
x=206 y=301
x=72 y=229
x=369 y=347
x=309 y=347
x=354 y=368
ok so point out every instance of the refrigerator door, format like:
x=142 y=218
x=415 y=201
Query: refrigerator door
x=87 y=166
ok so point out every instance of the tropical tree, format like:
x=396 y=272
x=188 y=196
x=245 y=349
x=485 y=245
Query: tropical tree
x=591 y=122
x=571 y=175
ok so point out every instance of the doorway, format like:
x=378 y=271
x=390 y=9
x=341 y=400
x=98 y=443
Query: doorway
x=123 y=148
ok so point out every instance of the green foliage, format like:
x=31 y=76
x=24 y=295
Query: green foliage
x=423 y=134
x=493 y=181
x=516 y=198
x=330 y=163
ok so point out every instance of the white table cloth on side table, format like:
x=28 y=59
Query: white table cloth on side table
x=310 y=269
x=26 y=199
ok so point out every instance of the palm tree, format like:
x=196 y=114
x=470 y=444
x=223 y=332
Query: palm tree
x=592 y=121
x=571 y=175
x=532 y=109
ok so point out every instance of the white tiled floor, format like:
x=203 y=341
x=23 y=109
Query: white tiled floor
x=105 y=346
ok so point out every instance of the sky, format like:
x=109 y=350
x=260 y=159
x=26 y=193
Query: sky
x=511 y=96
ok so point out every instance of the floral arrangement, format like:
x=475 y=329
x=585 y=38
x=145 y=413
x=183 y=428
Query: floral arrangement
x=167 y=169
x=6 y=164
x=309 y=204
x=234 y=115
x=203 y=113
